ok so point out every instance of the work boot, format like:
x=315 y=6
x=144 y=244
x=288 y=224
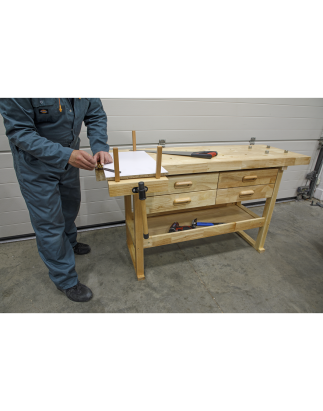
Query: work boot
x=81 y=249
x=80 y=293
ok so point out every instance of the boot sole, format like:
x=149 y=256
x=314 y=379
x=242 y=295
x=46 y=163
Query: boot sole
x=86 y=252
x=75 y=301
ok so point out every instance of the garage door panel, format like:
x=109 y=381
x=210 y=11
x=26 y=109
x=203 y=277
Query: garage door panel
x=286 y=193
x=154 y=107
x=9 y=190
x=90 y=182
x=95 y=195
x=6 y=161
x=2 y=127
x=304 y=168
x=291 y=174
x=16 y=229
x=15 y=217
x=251 y=123
x=100 y=207
x=12 y=204
x=277 y=111
x=91 y=219
x=293 y=101
x=87 y=173
x=289 y=185
x=8 y=175
x=301 y=147
x=171 y=123
x=278 y=101
x=211 y=123
x=4 y=143
x=117 y=138
x=99 y=195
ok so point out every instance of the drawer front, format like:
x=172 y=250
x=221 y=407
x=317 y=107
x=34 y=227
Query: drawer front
x=190 y=182
x=247 y=177
x=173 y=202
x=237 y=194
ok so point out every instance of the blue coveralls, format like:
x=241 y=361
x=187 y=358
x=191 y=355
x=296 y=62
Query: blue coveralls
x=42 y=139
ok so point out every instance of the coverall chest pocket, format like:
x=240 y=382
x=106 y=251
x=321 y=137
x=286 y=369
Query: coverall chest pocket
x=45 y=110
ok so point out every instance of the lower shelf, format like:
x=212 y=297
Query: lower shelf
x=234 y=217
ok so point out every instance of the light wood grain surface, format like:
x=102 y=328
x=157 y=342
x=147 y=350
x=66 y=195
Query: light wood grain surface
x=229 y=195
x=189 y=182
x=223 y=214
x=247 y=177
x=170 y=202
x=231 y=157
x=124 y=187
x=233 y=217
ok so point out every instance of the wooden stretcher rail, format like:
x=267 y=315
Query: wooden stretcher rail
x=202 y=232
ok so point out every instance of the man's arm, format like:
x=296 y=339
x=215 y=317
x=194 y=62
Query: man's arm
x=96 y=122
x=18 y=115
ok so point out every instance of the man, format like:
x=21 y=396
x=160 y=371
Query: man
x=44 y=139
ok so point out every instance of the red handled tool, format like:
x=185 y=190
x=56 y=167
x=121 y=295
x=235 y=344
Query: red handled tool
x=176 y=227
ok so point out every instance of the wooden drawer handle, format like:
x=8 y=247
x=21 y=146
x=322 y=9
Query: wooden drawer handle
x=182 y=200
x=183 y=184
x=249 y=178
x=246 y=193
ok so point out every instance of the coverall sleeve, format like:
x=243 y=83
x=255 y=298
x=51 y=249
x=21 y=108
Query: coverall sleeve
x=96 y=122
x=18 y=116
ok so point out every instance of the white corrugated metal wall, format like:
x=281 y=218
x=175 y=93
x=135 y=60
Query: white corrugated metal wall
x=293 y=124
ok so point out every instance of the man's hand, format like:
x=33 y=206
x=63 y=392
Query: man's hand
x=103 y=157
x=81 y=159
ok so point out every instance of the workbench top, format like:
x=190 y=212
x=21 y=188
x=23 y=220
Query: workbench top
x=230 y=157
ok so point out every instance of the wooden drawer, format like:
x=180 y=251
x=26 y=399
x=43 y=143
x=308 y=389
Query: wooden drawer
x=173 y=202
x=237 y=194
x=247 y=177
x=190 y=182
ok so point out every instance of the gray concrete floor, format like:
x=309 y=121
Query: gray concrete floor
x=220 y=274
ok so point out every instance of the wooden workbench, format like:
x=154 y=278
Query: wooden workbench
x=209 y=190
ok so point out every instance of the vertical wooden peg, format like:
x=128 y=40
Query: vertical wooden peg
x=159 y=161
x=116 y=164
x=134 y=143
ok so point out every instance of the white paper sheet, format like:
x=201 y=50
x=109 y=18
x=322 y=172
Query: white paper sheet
x=133 y=163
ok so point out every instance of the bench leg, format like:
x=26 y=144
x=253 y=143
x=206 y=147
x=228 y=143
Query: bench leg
x=129 y=229
x=268 y=212
x=139 y=238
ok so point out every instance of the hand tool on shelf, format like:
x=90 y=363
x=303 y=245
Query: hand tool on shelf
x=176 y=227
x=199 y=154
x=195 y=224
x=141 y=190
